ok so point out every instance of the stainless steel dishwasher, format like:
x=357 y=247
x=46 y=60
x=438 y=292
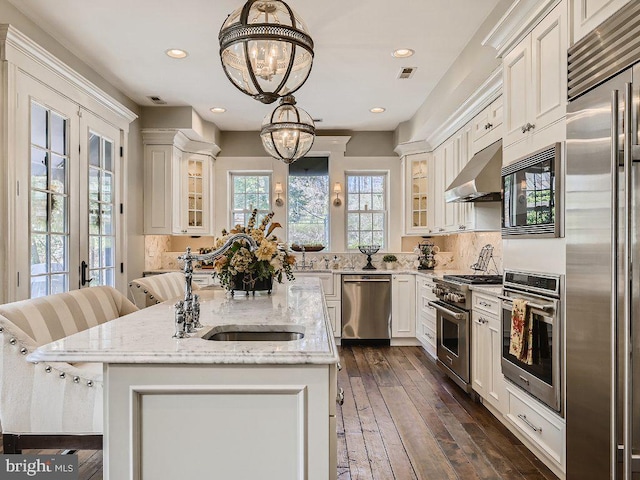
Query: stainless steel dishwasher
x=366 y=307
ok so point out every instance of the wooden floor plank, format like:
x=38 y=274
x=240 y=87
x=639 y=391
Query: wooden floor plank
x=400 y=463
x=426 y=457
x=359 y=465
x=380 y=466
x=380 y=367
x=449 y=447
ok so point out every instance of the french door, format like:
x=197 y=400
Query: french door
x=68 y=177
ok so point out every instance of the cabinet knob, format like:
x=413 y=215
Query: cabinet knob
x=340 y=397
x=531 y=126
x=441 y=229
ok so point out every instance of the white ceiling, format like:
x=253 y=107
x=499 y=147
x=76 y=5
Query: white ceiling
x=353 y=71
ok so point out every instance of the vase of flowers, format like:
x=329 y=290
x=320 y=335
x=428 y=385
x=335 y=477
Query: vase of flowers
x=240 y=269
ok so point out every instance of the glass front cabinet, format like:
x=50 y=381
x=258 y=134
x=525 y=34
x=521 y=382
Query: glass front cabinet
x=418 y=179
x=178 y=190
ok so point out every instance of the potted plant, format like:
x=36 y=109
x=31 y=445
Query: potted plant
x=249 y=271
x=389 y=261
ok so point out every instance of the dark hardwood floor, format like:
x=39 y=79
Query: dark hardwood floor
x=402 y=419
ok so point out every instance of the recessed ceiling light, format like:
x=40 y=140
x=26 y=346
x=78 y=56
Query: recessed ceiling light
x=378 y=110
x=176 y=53
x=218 y=110
x=403 y=53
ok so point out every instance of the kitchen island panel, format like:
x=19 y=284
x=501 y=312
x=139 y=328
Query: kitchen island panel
x=194 y=421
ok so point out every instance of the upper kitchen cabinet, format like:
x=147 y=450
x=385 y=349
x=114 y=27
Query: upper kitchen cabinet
x=418 y=212
x=588 y=14
x=178 y=196
x=445 y=168
x=487 y=126
x=535 y=78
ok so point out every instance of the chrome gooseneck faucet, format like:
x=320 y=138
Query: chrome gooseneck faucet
x=187 y=311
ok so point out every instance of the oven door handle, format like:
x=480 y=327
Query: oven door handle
x=544 y=308
x=456 y=315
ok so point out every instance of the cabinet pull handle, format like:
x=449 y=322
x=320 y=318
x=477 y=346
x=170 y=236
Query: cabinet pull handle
x=523 y=128
x=441 y=229
x=339 y=367
x=340 y=397
x=531 y=425
x=531 y=126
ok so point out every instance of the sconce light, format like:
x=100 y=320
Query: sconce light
x=337 y=189
x=279 y=191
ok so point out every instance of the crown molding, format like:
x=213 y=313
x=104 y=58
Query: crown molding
x=516 y=24
x=478 y=101
x=180 y=139
x=15 y=42
x=410 y=148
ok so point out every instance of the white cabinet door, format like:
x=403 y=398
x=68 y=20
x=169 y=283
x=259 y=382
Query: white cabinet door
x=588 y=14
x=479 y=350
x=451 y=169
x=535 y=78
x=417 y=186
x=486 y=351
x=158 y=189
x=194 y=199
x=549 y=59
x=517 y=88
x=403 y=298
x=437 y=192
x=496 y=391
x=335 y=314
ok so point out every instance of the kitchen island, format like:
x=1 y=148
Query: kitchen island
x=197 y=408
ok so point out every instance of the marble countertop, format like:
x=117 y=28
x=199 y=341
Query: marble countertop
x=146 y=336
x=493 y=290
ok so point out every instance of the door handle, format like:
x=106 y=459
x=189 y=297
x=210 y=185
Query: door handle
x=627 y=394
x=84 y=270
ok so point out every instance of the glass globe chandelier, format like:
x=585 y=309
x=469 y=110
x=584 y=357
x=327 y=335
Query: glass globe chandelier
x=288 y=132
x=265 y=50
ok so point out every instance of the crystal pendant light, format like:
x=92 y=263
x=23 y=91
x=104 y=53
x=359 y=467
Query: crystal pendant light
x=265 y=49
x=288 y=132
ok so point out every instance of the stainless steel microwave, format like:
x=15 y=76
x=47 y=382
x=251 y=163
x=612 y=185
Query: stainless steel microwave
x=531 y=196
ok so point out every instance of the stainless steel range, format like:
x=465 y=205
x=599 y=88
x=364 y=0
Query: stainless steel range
x=453 y=323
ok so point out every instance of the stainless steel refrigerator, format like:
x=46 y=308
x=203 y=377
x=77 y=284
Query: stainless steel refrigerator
x=602 y=233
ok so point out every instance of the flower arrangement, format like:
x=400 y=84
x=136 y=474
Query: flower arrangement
x=270 y=260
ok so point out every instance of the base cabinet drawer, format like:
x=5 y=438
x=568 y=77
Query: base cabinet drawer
x=545 y=429
x=486 y=303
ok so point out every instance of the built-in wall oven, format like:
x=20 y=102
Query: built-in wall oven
x=531 y=195
x=541 y=374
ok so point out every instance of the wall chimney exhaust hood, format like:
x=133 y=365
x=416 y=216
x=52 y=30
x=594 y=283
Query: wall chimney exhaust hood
x=480 y=179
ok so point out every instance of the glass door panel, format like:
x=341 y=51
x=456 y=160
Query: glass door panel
x=195 y=218
x=49 y=202
x=101 y=206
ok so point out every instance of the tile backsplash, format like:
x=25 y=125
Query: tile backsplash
x=457 y=252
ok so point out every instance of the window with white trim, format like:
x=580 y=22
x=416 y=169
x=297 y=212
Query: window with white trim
x=249 y=191
x=366 y=209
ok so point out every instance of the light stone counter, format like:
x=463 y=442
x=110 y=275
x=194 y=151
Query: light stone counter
x=146 y=336
x=493 y=290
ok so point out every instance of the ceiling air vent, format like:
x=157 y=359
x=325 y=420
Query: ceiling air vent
x=407 y=72
x=317 y=120
x=157 y=100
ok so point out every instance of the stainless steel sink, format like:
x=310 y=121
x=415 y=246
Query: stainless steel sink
x=254 y=333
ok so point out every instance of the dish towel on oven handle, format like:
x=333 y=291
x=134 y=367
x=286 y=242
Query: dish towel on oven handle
x=521 y=342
